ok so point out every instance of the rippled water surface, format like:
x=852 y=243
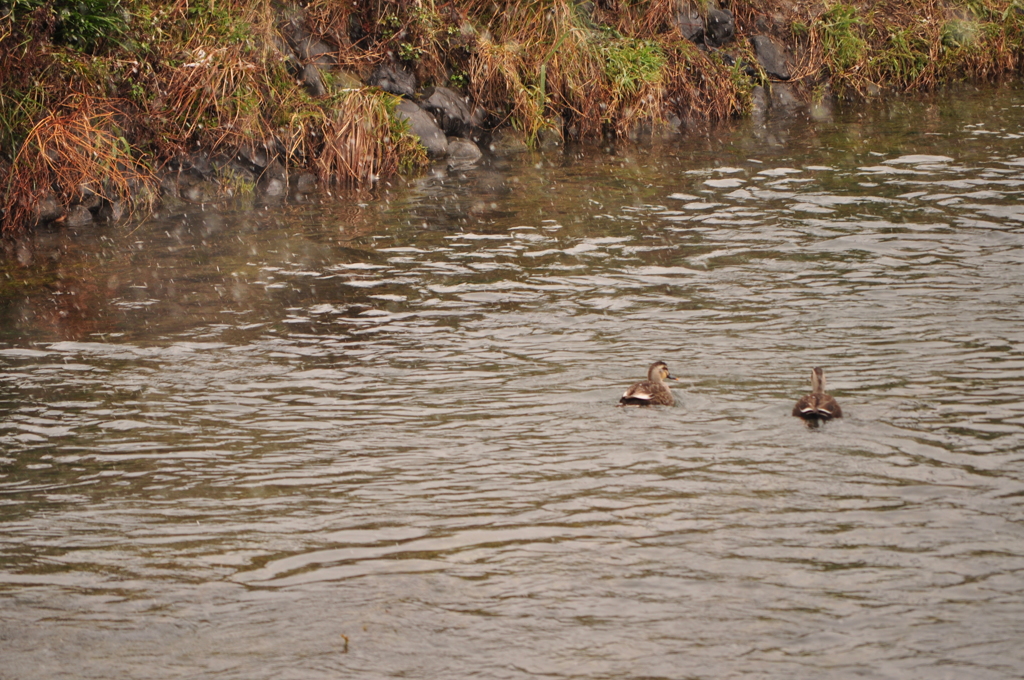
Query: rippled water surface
x=379 y=439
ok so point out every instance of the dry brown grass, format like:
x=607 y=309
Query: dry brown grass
x=76 y=149
x=499 y=74
x=702 y=88
x=214 y=98
x=354 y=142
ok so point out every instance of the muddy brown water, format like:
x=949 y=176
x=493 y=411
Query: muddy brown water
x=380 y=440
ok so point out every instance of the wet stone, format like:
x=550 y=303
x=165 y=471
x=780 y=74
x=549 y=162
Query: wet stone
x=169 y=185
x=197 y=165
x=771 y=58
x=313 y=80
x=720 y=28
x=551 y=137
x=273 y=181
x=234 y=172
x=506 y=141
x=306 y=183
x=110 y=211
x=821 y=107
x=90 y=199
x=195 y=193
x=253 y=156
x=785 y=99
x=48 y=208
x=450 y=110
x=585 y=13
x=395 y=80
x=759 y=104
x=690 y=23
x=462 y=153
x=24 y=252
x=422 y=125
x=78 y=215
x=307 y=48
x=313 y=51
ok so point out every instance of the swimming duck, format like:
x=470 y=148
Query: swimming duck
x=651 y=391
x=817 y=406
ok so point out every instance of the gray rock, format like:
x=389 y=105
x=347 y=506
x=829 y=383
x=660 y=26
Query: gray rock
x=551 y=137
x=771 y=58
x=234 y=172
x=306 y=183
x=690 y=23
x=822 y=106
x=283 y=47
x=24 y=251
x=193 y=180
x=462 y=153
x=784 y=99
x=423 y=126
x=450 y=110
x=110 y=211
x=719 y=28
x=294 y=29
x=78 y=216
x=672 y=127
x=308 y=49
x=394 y=79
x=196 y=165
x=273 y=181
x=313 y=51
x=478 y=119
x=48 y=208
x=253 y=156
x=506 y=141
x=585 y=13
x=313 y=80
x=759 y=104
x=90 y=199
x=200 y=192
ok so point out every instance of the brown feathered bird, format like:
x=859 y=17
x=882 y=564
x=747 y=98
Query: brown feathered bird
x=817 y=406
x=651 y=391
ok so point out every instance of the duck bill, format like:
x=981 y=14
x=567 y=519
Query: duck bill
x=672 y=377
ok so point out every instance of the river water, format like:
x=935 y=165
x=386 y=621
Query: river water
x=378 y=438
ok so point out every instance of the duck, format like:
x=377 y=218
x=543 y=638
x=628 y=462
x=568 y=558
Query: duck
x=817 y=406
x=651 y=391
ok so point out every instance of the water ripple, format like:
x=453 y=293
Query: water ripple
x=383 y=441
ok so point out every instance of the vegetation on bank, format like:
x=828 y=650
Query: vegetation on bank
x=97 y=96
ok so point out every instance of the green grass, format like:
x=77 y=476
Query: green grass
x=903 y=59
x=840 y=28
x=631 y=64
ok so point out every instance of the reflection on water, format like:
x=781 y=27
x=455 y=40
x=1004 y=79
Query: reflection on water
x=231 y=442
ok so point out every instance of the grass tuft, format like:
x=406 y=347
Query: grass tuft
x=355 y=140
x=844 y=47
x=77 y=150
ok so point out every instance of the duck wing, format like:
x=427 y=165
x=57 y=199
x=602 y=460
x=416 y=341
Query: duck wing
x=829 y=407
x=641 y=390
x=646 y=393
x=822 y=406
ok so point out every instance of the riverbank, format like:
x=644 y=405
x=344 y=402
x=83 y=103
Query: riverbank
x=111 y=106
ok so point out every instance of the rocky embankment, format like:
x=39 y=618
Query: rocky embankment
x=282 y=102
